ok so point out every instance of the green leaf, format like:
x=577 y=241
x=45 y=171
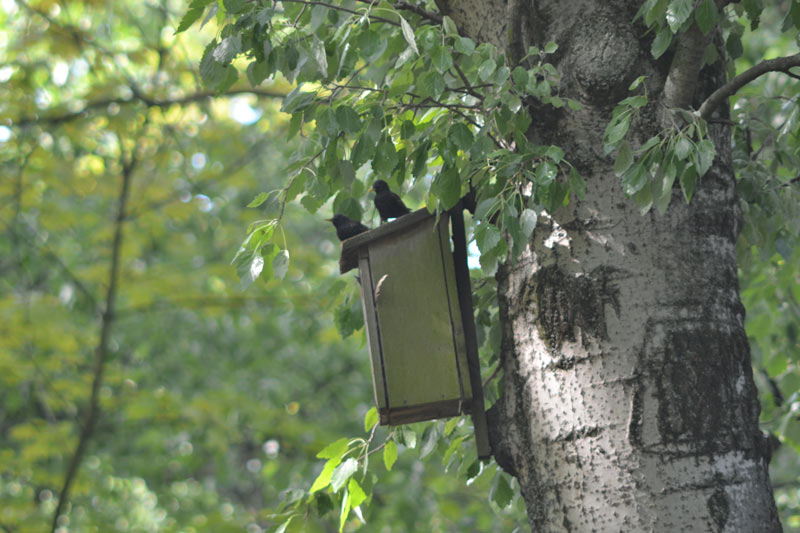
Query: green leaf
x=550 y=47
x=345 y=512
x=688 y=180
x=501 y=492
x=733 y=45
x=644 y=199
x=703 y=157
x=635 y=178
x=348 y=119
x=318 y=50
x=635 y=83
x=447 y=186
x=343 y=473
x=663 y=196
x=555 y=154
x=357 y=494
x=318 y=15
x=211 y=71
x=449 y=26
x=433 y=84
x=334 y=450
x=409 y=437
x=285 y=524
x=194 y=12
x=682 y=147
x=370 y=419
x=228 y=49
x=546 y=173
x=527 y=220
x=386 y=157
x=680 y=10
x=615 y=132
x=258 y=200
x=408 y=34
x=347 y=319
x=624 y=158
x=520 y=77
x=635 y=102
x=464 y=45
x=486 y=69
x=487 y=237
x=324 y=477
x=389 y=454
x=460 y=135
x=661 y=42
x=441 y=59
x=280 y=264
x=326 y=121
x=297 y=100
x=753 y=9
x=706 y=16
x=250 y=269
x=576 y=183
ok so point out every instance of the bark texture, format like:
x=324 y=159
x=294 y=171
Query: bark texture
x=629 y=402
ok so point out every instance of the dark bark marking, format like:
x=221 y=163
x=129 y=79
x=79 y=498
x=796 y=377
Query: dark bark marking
x=701 y=370
x=719 y=508
x=564 y=301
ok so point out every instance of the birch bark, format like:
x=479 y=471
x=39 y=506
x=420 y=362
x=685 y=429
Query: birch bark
x=629 y=402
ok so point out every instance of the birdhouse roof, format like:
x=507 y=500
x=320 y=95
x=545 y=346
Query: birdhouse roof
x=350 y=247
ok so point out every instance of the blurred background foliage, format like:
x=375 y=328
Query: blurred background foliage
x=215 y=401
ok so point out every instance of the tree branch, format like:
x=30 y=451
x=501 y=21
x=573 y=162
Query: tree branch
x=682 y=78
x=146 y=100
x=339 y=8
x=781 y=64
x=102 y=350
x=405 y=6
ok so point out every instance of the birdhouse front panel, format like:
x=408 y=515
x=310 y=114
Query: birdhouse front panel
x=414 y=323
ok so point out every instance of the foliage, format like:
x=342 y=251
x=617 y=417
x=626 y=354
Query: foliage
x=223 y=410
x=213 y=402
x=383 y=93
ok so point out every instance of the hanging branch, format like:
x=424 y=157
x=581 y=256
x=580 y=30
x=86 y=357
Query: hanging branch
x=781 y=64
x=102 y=350
x=146 y=100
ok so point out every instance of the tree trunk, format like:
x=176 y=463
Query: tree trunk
x=629 y=402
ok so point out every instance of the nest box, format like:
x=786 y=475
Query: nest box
x=417 y=305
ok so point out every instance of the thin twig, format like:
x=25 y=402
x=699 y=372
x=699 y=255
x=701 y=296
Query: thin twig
x=339 y=8
x=492 y=375
x=149 y=102
x=102 y=350
x=781 y=64
x=405 y=6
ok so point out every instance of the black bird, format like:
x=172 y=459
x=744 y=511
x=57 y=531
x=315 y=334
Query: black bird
x=346 y=227
x=389 y=205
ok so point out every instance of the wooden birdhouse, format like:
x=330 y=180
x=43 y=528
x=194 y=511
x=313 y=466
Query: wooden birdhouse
x=417 y=307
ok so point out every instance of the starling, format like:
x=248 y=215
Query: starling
x=389 y=205
x=346 y=227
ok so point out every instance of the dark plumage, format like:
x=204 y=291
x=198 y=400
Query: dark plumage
x=389 y=205
x=346 y=227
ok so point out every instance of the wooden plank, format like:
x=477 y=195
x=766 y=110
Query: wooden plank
x=465 y=300
x=419 y=413
x=414 y=317
x=372 y=328
x=349 y=255
x=459 y=339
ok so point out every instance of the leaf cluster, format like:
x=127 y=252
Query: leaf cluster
x=382 y=94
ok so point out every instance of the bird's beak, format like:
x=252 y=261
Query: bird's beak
x=372 y=189
x=328 y=220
